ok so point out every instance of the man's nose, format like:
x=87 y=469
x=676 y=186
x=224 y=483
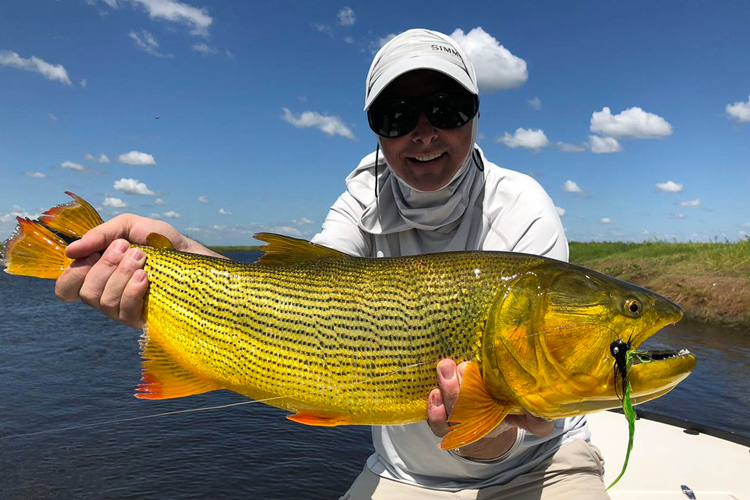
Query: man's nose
x=424 y=131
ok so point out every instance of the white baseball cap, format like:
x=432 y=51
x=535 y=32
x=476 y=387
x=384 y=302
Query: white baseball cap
x=418 y=49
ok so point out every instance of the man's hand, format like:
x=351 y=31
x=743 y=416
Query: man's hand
x=497 y=442
x=108 y=274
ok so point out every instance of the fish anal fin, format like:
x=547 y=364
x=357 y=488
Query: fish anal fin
x=322 y=420
x=73 y=219
x=476 y=412
x=157 y=240
x=163 y=377
x=285 y=251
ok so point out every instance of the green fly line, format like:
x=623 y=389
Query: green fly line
x=624 y=354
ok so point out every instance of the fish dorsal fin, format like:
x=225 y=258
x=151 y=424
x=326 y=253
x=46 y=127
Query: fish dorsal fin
x=160 y=241
x=73 y=219
x=476 y=412
x=286 y=251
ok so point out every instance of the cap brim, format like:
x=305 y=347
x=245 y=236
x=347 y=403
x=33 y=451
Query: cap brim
x=422 y=62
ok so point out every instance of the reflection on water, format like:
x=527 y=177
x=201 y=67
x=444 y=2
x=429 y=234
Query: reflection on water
x=65 y=366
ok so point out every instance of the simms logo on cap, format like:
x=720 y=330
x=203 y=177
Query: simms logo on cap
x=443 y=48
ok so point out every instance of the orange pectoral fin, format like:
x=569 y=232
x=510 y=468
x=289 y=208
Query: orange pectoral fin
x=330 y=420
x=476 y=412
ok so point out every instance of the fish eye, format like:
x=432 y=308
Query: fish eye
x=633 y=307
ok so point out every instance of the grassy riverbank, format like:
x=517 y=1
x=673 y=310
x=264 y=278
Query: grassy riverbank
x=711 y=281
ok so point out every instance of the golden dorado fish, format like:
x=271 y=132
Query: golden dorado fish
x=344 y=340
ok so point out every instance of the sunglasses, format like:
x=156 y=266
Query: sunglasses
x=444 y=110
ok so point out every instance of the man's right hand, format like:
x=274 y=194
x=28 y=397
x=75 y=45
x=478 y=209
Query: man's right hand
x=108 y=274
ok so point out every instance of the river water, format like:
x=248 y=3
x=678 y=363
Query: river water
x=70 y=428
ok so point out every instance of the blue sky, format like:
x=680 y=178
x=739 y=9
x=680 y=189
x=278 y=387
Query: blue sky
x=634 y=116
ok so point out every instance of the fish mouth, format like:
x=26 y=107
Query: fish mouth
x=652 y=374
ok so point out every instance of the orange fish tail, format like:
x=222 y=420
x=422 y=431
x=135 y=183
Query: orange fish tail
x=37 y=247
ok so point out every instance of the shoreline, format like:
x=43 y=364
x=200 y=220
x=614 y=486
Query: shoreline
x=710 y=281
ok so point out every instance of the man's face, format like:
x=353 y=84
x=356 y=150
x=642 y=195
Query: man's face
x=426 y=158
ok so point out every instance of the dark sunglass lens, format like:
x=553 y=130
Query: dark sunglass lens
x=448 y=111
x=392 y=119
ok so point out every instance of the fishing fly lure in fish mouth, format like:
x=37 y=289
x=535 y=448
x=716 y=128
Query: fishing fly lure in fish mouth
x=624 y=355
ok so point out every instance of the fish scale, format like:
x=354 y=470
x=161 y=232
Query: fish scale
x=337 y=335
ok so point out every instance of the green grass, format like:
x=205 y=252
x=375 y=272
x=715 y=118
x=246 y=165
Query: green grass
x=725 y=259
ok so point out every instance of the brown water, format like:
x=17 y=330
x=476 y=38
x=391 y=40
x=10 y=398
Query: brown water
x=65 y=369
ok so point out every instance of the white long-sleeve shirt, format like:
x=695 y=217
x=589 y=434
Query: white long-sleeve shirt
x=509 y=211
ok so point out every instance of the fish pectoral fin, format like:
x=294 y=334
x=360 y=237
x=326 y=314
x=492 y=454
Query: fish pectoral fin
x=476 y=412
x=164 y=378
x=157 y=240
x=285 y=251
x=323 y=420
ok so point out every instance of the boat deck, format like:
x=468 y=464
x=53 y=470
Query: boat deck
x=667 y=459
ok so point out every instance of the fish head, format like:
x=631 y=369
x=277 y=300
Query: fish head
x=550 y=335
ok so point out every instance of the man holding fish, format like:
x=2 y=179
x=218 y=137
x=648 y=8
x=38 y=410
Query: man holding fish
x=427 y=188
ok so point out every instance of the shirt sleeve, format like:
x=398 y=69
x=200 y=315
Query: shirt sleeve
x=341 y=228
x=525 y=220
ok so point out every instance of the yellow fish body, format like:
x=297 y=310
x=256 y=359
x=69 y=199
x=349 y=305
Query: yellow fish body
x=344 y=340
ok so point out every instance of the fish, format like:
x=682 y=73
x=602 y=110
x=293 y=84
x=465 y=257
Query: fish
x=342 y=340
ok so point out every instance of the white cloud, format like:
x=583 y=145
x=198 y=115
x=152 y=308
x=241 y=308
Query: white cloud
x=218 y=227
x=346 y=17
x=35 y=175
x=302 y=221
x=52 y=72
x=601 y=145
x=171 y=215
x=147 y=42
x=18 y=212
x=632 y=123
x=669 y=187
x=331 y=125
x=525 y=138
x=560 y=211
x=203 y=199
x=136 y=158
x=572 y=187
x=111 y=202
x=102 y=158
x=159 y=201
x=535 y=103
x=132 y=186
x=84 y=83
x=566 y=147
x=204 y=49
x=224 y=212
x=739 y=111
x=72 y=166
x=496 y=67
x=692 y=203
x=349 y=40
x=171 y=10
x=154 y=215
x=52 y=117
x=323 y=28
x=605 y=220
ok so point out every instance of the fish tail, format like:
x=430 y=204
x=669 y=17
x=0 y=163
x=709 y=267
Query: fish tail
x=37 y=247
